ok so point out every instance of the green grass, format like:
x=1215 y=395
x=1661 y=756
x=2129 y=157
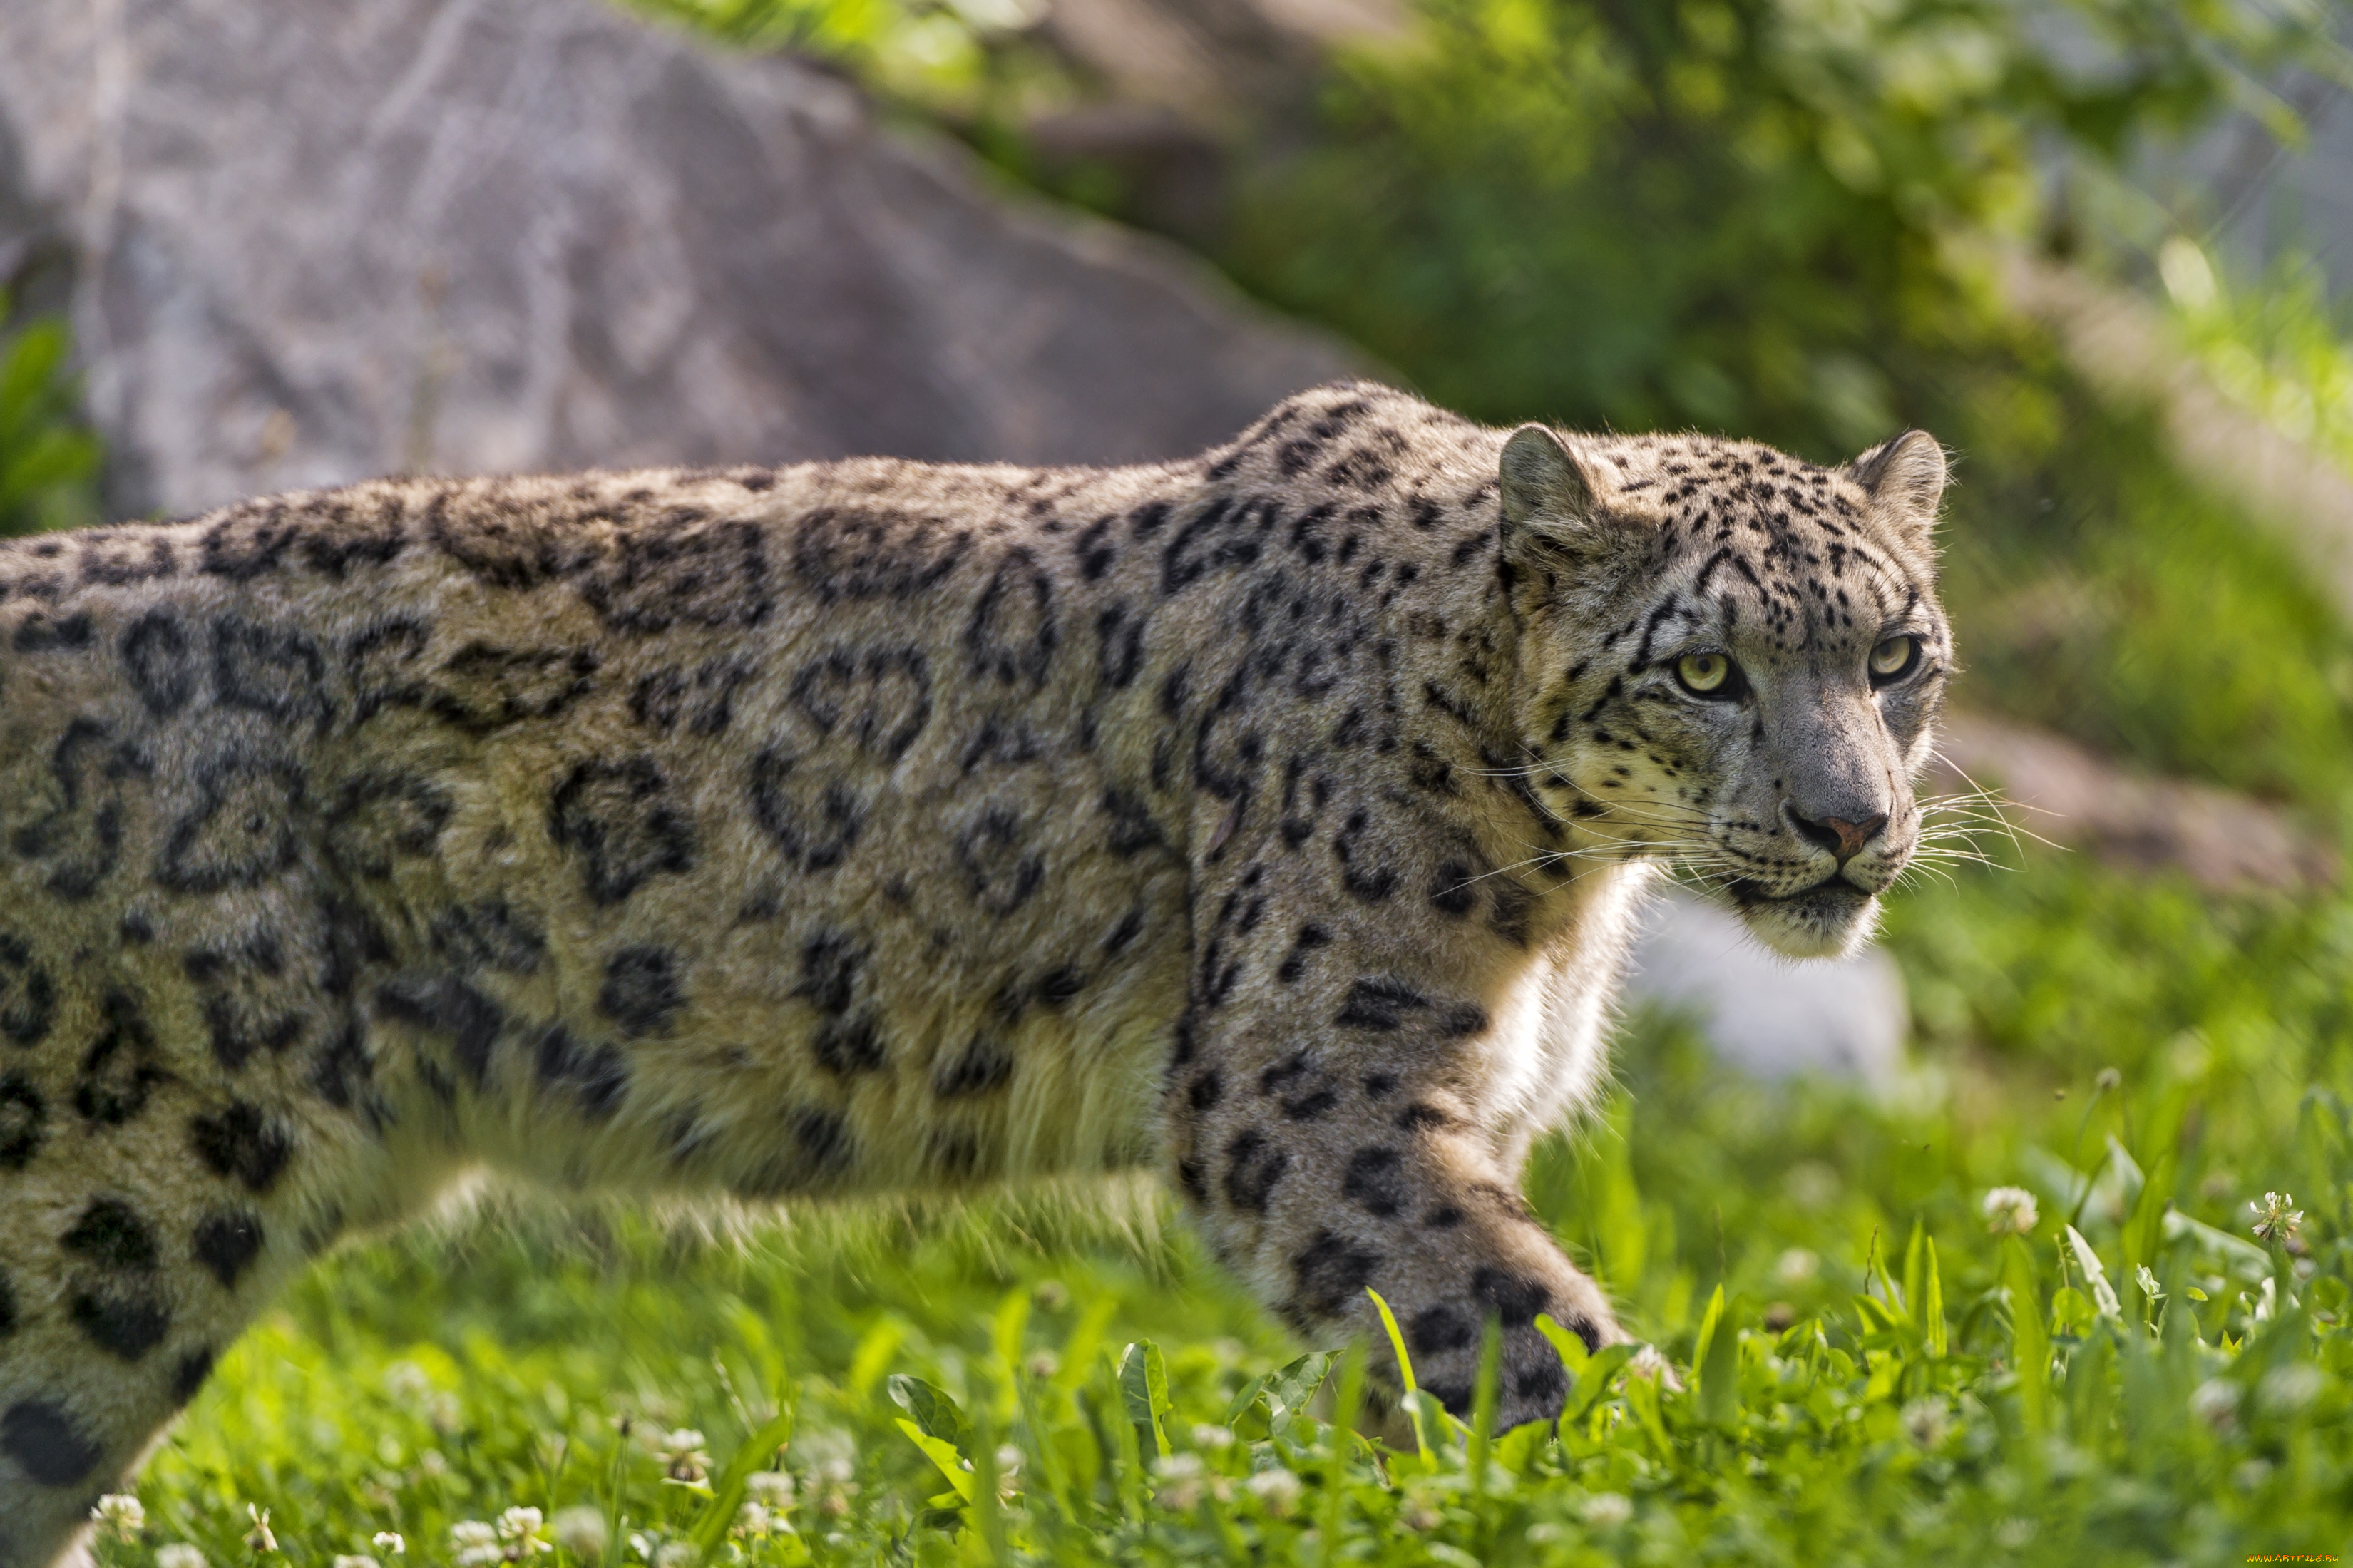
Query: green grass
x=1868 y=1374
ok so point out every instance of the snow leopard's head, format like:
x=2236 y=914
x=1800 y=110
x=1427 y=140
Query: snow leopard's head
x=1733 y=659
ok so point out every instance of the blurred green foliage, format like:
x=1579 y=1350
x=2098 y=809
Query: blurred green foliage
x=1763 y=215
x=48 y=462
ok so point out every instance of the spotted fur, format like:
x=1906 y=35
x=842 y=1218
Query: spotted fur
x=1273 y=817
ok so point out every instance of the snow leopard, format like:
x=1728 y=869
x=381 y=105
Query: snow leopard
x=1275 y=818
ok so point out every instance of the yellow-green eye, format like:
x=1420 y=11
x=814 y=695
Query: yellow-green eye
x=1894 y=657
x=1703 y=671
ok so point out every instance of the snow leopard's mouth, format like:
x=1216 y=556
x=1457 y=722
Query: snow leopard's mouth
x=1833 y=892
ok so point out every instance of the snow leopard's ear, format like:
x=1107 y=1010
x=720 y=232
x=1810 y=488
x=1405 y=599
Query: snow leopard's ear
x=1544 y=487
x=1904 y=479
x=1559 y=521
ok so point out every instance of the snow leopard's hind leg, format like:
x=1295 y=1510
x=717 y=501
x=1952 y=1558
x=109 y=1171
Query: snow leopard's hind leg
x=171 y=1152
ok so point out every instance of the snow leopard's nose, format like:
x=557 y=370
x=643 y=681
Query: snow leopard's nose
x=1842 y=838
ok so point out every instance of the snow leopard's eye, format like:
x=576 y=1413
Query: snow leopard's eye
x=1894 y=658
x=1707 y=674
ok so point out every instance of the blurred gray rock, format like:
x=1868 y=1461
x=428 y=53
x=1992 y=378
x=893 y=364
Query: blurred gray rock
x=305 y=241
x=1765 y=1015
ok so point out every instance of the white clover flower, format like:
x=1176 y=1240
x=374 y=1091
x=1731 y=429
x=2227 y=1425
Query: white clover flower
x=1796 y=1266
x=389 y=1543
x=836 y=1472
x=2215 y=1402
x=1215 y=1438
x=1182 y=1481
x=258 y=1538
x=2276 y=1219
x=179 y=1555
x=433 y=1464
x=681 y=1453
x=2014 y=1534
x=1043 y=1364
x=579 y=1530
x=1279 y=1489
x=476 y=1543
x=406 y=1382
x=522 y=1531
x=674 y=1554
x=774 y=1488
x=1647 y=1365
x=1607 y=1510
x=443 y=1413
x=1419 y=1515
x=1926 y=1421
x=2288 y=1389
x=2010 y=1211
x=119 y=1517
x=355 y=1560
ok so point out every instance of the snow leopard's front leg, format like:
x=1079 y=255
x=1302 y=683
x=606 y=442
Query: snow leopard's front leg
x=1326 y=1134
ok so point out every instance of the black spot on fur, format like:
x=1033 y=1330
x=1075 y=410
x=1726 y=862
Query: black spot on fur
x=241 y=832
x=642 y=992
x=490 y=934
x=598 y=1076
x=1333 y=1271
x=1514 y=1298
x=1434 y=1331
x=985 y=1064
x=1382 y=1004
x=849 y=1045
x=1122 y=639
x=242 y=1144
x=1253 y=1167
x=46 y=1445
x=158 y=660
x=1544 y=1386
x=240 y=986
x=701 y=700
x=124 y=1326
x=880 y=700
x=1133 y=829
x=850 y=553
x=686 y=571
x=28 y=997
x=619 y=816
x=830 y=962
x=812 y=811
x=247 y=540
x=8 y=1306
x=1012 y=635
x=116 y=558
x=42 y=632
x=1311 y=936
x=228 y=1243
x=24 y=1121
x=1000 y=872
x=1376 y=1182
x=1130 y=927
x=110 y=1234
x=275 y=670
x=189 y=1376
x=448 y=1007
x=80 y=836
x=1206 y=1091
x=121 y=1070
x=1062 y=986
